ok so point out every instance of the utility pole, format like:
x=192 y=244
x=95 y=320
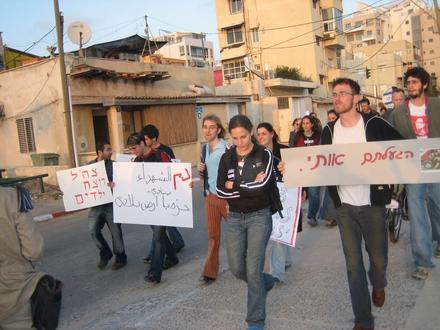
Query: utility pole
x=437 y=15
x=66 y=103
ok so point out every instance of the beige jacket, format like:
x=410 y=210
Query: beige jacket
x=20 y=245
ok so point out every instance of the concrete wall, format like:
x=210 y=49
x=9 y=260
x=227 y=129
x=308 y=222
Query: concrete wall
x=32 y=91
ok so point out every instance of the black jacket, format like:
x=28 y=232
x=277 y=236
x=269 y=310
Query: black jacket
x=376 y=129
x=246 y=195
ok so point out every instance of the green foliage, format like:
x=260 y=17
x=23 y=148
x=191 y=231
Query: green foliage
x=290 y=73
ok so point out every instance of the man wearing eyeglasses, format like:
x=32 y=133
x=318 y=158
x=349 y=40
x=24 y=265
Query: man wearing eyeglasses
x=419 y=118
x=360 y=209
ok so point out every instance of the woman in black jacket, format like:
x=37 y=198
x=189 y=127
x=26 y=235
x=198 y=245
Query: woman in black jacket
x=244 y=177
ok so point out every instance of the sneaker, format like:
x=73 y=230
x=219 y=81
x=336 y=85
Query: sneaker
x=118 y=265
x=103 y=263
x=151 y=279
x=312 y=222
x=206 y=279
x=421 y=273
x=147 y=260
x=331 y=223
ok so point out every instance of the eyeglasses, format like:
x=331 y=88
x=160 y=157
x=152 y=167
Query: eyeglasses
x=341 y=94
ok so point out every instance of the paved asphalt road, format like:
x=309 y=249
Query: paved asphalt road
x=315 y=295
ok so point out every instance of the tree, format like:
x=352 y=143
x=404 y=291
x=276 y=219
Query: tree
x=286 y=72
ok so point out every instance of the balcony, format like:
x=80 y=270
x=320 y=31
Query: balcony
x=334 y=40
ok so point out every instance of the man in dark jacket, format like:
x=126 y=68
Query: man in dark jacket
x=360 y=209
x=419 y=118
x=103 y=214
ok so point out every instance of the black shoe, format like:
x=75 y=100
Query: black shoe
x=168 y=263
x=178 y=249
x=118 y=265
x=206 y=279
x=151 y=279
x=103 y=263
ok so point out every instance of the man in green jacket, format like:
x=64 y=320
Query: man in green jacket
x=419 y=118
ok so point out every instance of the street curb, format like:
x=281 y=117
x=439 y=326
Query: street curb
x=50 y=216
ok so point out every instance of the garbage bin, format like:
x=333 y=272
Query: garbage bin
x=45 y=159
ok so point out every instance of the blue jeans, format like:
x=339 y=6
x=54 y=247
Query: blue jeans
x=356 y=223
x=175 y=238
x=98 y=217
x=314 y=199
x=279 y=259
x=424 y=215
x=162 y=248
x=247 y=235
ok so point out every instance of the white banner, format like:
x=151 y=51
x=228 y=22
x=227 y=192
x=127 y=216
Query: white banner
x=284 y=229
x=84 y=186
x=387 y=162
x=153 y=194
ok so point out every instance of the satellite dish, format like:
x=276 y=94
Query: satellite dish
x=79 y=33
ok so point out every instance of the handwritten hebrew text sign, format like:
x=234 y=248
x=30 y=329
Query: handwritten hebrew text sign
x=153 y=194
x=84 y=186
x=284 y=229
x=387 y=162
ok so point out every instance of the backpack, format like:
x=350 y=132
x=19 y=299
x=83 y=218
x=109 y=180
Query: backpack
x=273 y=192
x=46 y=303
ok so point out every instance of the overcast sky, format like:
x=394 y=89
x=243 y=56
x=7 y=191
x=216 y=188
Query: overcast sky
x=23 y=22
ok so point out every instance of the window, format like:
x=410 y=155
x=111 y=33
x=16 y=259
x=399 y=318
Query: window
x=333 y=17
x=26 y=137
x=358 y=24
x=350 y=37
x=234 y=70
x=255 y=35
x=235 y=6
x=187 y=50
x=369 y=33
x=431 y=29
x=431 y=51
x=318 y=40
x=370 y=22
x=347 y=26
x=406 y=22
x=431 y=40
x=234 y=35
x=197 y=51
x=182 y=50
x=283 y=102
x=432 y=63
x=359 y=36
x=408 y=33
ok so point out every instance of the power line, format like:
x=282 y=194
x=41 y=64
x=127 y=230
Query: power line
x=33 y=44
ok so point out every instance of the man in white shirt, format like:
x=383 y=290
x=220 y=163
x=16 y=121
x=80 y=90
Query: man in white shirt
x=419 y=118
x=360 y=209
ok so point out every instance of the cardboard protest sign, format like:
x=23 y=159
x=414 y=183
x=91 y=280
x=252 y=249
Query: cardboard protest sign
x=284 y=229
x=84 y=186
x=153 y=194
x=387 y=162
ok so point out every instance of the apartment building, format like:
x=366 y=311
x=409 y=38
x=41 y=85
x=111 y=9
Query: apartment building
x=192 y=49
x=256 y=37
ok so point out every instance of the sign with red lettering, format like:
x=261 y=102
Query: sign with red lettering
x=84 y=186
x=386 y=162
x=153 y=194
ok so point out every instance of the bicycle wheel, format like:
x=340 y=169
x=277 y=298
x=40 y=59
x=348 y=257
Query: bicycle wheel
x=395 y=224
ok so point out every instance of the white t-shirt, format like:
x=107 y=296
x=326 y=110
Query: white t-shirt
x=356 y=195
x=419 y=120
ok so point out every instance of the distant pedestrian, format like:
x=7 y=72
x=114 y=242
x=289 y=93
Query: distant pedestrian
x=164 y=255
x=280 y=257
x=398 y=98
x=296 y=126
x=360 y=209
x=215 y=207
x=244 y=179
x=309 y=135
x=102 y=215
x=419 y=118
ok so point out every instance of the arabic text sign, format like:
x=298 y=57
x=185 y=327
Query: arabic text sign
x=284 y=229
x=387 y=162
x=153 y=194
x=84 y=186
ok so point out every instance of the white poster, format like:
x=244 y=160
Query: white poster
x=153 y=194
x=284 y=229
x=84 y=186
x=125 y=157
x=386 y=162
